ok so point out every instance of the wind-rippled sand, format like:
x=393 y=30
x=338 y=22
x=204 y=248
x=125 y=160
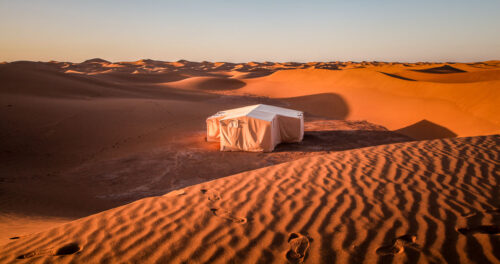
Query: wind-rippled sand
x=418 y=202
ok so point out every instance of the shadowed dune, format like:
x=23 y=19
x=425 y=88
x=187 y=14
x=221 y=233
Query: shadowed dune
x=398 y=76
x=220 y=84
x=328 y=105
x=95 y=60
x=34 y=80
x=426 y=129
x=252 y=74
x=397 y=203
x=144 y=77
x=41 y=80
x=487 y=75
x=441 y=70
x=125 y=172
x=208 y=84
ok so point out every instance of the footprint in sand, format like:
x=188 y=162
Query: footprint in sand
x=482 y=229
x=67 y=249
x=398 y=245
x=490 y=229
x=212 y=195
x=491 y=211
x=228 y=215
x=35 y=253
x=299 y=245
x=393 y=249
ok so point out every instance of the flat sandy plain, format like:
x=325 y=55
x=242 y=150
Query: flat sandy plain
x=106 y=162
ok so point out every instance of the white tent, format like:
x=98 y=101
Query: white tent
x=255 y=128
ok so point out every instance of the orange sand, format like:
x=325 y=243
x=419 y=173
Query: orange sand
x=80 y=141
x=349 y=206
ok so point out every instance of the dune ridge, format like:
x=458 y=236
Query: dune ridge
x=405 y=202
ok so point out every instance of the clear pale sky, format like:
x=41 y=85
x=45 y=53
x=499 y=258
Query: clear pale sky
x=239 y=31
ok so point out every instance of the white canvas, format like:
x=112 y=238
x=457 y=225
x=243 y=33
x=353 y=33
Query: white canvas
x=257 y=128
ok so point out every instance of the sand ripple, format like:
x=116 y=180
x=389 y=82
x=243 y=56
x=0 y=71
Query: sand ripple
x=419 y=202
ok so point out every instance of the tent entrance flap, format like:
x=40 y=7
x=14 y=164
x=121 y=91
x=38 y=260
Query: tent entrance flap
x=257 y=128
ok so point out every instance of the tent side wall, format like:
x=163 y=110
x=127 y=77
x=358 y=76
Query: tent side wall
x=275 y=132
x=291 y=128
x=245 y=133
x=213 y=128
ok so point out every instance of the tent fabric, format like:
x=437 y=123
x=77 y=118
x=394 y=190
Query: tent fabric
x=257 y=128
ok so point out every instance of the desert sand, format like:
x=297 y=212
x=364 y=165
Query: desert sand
x=105 y=162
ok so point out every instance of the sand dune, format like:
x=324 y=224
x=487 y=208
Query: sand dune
x=78 y=139
x=143 y=77
x=410 y=202
x=464 y=108
x=76 y=170
x=207 y=83
x=442 y=70
x=426 y=130
x=470 y=76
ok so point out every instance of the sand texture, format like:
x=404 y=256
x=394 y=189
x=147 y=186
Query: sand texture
x=106 y=162
x=422 y=202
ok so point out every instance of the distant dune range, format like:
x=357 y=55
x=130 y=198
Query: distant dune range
x=411 y=202
x=468 y=107
x=78 y=139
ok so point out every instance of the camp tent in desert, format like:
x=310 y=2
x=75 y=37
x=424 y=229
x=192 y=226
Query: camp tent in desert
x=257 y=128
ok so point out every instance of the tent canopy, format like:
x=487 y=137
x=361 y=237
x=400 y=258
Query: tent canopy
x=255 y=128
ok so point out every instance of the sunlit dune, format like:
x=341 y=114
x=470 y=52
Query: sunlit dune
x=466 y=108
x=207 y=83
x=74 y=72
x=376 y=204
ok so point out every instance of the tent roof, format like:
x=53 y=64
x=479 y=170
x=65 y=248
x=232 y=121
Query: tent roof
x=259 y=111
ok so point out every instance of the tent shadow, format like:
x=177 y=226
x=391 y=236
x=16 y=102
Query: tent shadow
x=338 y=140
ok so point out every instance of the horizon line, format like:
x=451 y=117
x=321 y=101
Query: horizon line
x=255 y=61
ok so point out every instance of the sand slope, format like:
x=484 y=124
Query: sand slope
x=462 y=98
x=427 y=202
x=465 y=108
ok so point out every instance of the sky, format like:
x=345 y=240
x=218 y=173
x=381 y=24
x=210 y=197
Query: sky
x=241 y=31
